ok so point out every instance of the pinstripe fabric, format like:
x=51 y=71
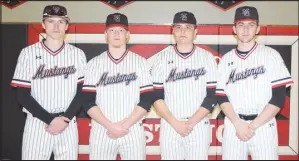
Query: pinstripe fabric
x=262 y=146
x=263 y=67
x=118 y=85
x=52 y=78
x=248 y=83
x=185 y=80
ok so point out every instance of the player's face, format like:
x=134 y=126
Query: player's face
x=55 y=27
x=184 y=33
x=246 y=30
x=117 y=36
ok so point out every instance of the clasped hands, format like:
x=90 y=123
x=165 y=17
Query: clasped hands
x=244 y=131
x=118 y=129
x=57 y=125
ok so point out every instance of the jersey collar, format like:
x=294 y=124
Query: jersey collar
x=184 y=57
x=118 y=60
x=54 y=53
x=247 y=55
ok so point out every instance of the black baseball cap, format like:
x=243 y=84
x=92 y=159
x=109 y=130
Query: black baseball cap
x=117 y=19
x=246 y=13
x=56 y=11
x=184 y=17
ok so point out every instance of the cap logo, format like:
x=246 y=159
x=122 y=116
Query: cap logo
x=184 y=16
x=56 y=9
x=246 y=12
x=116 y=18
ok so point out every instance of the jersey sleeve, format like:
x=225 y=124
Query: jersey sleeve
x=211 y=72
x=280 y=75
x=221 y=79
x=89 y=84
x=146 y=82
x=82 y=65
x=157 y=73
x=22 y=77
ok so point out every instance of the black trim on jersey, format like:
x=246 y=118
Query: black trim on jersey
x=221 y=99
x=181 y=54
x=89 y=100
x=249 y=52
x=146 y=100
x=21 y=80
x=214 y=82
x=81 y=77
x=281 y=79
x=158 y=94
x=93 y=86
x=278 y=96
x=185 y=54
x=76 y=103
x=146 y=86
x=116 y=61
x=25 y=98
x=244 y=53
x=210 y=100
x=51 y=51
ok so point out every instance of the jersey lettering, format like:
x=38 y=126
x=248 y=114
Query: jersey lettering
x=119 y=78
x=44 y=73
x=174 y=75
x=233 y=77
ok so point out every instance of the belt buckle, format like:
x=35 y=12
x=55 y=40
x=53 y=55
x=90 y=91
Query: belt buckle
x=243 y=117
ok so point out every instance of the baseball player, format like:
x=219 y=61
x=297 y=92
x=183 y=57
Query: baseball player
x=117 y=93
x=48 y=78
x=251 y=89
x=184 y=78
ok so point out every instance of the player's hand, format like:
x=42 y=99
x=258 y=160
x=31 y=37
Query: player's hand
x=182 y=128
x=117 y=130
x=244 y=133
x=190 y=124
x=252 y=126
x=57 y=125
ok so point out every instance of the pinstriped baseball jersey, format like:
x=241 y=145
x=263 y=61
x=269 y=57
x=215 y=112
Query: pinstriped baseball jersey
x=248 y=81
x=184 y=79
x=52 y=76
x=118 y=83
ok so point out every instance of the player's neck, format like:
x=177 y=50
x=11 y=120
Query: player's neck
x=116 y=53
x=53 y=44
x=244 y=47
x=184 y=48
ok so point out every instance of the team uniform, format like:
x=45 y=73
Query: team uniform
x=118 y=85
x=52 y=78
x=185 y=80
x=247 y=82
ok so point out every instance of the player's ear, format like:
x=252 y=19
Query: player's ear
x=172 y=29
x=195 y=32
x=106 y=36
x=258 y=29
x=127 y=34
x=67 y=26
x=234 y=29
x=43 y=24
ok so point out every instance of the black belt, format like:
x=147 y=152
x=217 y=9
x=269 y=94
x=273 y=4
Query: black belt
x=247 y=117
x=57 y=114
x=186 y=118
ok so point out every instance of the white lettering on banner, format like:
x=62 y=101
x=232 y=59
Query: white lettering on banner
x=151 y=129
x=219 y=133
